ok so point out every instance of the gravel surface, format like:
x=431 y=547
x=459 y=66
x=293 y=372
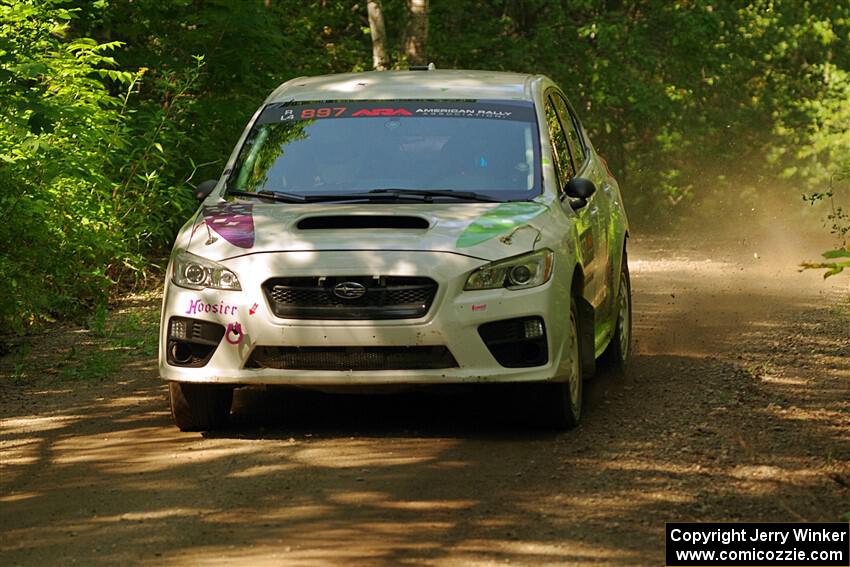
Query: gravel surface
x=736 y=407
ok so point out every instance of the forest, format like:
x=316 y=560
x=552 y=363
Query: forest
x=114 y=110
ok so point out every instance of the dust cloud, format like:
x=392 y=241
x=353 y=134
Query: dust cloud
x=768 y=220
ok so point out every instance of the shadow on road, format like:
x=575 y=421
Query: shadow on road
x=734 y=409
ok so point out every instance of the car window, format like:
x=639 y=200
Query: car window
x=563 y=161
x=569 y=123
x=489 y=147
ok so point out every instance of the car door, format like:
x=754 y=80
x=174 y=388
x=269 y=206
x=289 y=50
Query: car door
x=592 y=238
x=598 y=205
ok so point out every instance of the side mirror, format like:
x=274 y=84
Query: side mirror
x=579 y=190
x=204 y=189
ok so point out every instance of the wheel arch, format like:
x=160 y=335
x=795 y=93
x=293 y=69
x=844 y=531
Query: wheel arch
x=587 y=324
x=617 y=267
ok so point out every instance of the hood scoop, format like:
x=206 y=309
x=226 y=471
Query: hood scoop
x=358 y=222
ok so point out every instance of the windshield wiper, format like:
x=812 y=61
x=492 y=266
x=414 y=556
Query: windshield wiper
x=294 y=198
x=425 y=193
x=357 y=197
x=274 y=195
x=419 y=195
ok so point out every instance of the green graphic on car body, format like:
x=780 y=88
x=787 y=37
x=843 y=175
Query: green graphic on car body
x=499 y=220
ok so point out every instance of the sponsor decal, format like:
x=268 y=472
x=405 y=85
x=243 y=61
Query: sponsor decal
x=234 y=333
x=323 y=112
x=499 y=220
x=232 y=221
x=311 y=112
x=382 y=112
x=253 y=309
x=199 y=306
x=464 y=112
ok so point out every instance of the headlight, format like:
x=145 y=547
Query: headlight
x=520 y=272
x=195 y=272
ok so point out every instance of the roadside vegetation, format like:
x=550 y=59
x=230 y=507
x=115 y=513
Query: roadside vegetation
x=838 y=221
x=113 y=110
x=108 y=343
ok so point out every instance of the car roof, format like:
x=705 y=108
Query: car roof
x=386 y=85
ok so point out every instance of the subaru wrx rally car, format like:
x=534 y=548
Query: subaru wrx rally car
x=411 y=227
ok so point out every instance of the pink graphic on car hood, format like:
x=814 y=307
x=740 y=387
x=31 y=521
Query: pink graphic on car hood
x=234 y=222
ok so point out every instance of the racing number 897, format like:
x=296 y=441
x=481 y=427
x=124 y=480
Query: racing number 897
x=309 y=113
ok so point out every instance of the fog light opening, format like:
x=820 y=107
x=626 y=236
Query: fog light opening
x=530 y=352
x=181 y=353
x=516 y=343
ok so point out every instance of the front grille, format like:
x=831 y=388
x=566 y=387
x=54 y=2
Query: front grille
x=385 y=297
x=351 y=358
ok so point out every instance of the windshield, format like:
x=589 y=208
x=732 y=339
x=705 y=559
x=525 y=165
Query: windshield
x=339 y=148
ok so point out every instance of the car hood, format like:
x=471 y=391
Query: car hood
x=222 y=229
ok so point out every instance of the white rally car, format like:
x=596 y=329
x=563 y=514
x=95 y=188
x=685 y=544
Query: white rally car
x=416 y=227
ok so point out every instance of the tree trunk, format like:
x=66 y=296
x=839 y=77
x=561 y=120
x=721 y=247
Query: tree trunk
x=379 y=35
x=416 y=38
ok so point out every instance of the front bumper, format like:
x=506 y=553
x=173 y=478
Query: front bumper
x=452 y=321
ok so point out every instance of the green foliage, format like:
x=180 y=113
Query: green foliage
x=97 y=324
x=249 y=47
x=86 y=185
x=841 y=260
x=115 y=337
x=838 y=222
x=686 y=99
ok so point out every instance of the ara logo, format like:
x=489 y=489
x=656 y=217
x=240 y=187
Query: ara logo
x=382 y=112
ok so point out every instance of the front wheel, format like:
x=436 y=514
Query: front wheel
x=199 y=407
x=559 y=403
x=618 y=351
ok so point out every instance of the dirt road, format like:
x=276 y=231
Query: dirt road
x=737 y=407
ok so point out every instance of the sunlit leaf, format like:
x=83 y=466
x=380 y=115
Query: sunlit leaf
x=840 y=253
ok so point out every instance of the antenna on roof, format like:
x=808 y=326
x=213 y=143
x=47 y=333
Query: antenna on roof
x=428 y=67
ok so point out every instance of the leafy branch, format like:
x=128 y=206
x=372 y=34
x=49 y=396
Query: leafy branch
x=840 y=227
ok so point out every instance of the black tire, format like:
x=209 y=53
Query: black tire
x=559 y=403
x=616 y=357
x=200 y=407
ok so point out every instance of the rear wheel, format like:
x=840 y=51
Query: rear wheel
x=618 y=351
x=200 y=407
x=560 y=403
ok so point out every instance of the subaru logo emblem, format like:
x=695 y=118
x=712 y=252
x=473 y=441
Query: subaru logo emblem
x=349 y=290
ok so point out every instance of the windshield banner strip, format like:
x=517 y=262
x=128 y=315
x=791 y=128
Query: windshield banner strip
x=498 y=221
x=506 y=110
